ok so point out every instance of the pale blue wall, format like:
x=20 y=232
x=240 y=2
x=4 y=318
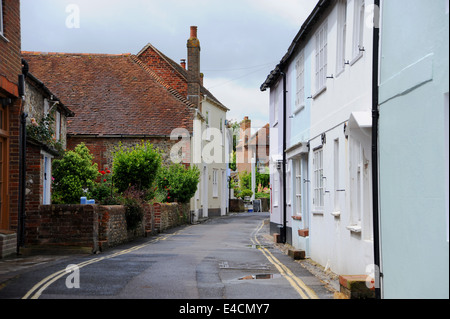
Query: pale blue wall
x=301 y=122
x=412 y=151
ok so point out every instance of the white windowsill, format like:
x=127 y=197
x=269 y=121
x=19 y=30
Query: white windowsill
x=299 y=109
x=357 y=58
x=354 y=228
x=336 y=214
x=319 y=92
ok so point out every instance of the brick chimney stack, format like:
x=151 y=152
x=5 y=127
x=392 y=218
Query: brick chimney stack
x=194 y=78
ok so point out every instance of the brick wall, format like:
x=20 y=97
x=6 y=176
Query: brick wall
x=97 y=227
x=169 y=215
x=163 y=69
x=13 y=187
x=34 y=187
x=8 y=243
x=63 y=225
x=10 y=60
x=10 y=68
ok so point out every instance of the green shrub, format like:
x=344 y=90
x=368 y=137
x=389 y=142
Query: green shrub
x=262 y=195
x=178 y=182
x=136 y=166
x=245 y=192
x=74 y=174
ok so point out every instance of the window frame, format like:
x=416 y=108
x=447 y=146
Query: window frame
x=300 y=85
x=321 y=57
x=358 y=30
x=215 y=183
x=276 y=189
x=58 y=126
x=298 y=187
x=342 y=36
x=318 y=187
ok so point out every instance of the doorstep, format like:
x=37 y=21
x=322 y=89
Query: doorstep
x=355 y=287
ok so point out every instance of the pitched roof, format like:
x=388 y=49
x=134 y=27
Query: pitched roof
x=175 y=69
x=309 y=24
x=111 y=94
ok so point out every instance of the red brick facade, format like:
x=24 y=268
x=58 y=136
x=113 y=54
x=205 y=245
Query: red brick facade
x=162 y=67
x=10 y=68
x=10 y=63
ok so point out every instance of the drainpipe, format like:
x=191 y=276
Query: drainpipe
x=22 y=160
x=375 y=185
x=284 y=229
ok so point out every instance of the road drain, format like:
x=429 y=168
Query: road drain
x=261 y=276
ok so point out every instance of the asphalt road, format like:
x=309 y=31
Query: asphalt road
x=229 y=257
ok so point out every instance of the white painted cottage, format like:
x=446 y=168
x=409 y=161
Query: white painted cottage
x=320 y=121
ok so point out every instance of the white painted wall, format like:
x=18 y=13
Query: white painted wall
x=333 y=244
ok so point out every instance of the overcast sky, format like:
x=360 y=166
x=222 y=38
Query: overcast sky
x=241 y=40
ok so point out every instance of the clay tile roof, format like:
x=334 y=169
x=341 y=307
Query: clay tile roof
x=110 y=94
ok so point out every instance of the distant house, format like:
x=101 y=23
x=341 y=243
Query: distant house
x=10 y=119
x=129 y=98
x=252 y=146
x=210 y=144
x=46 y=138
x=320 y=138
x=115 y=100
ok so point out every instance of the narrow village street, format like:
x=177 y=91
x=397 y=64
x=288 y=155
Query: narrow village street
x=231 y=257
x=249 y=154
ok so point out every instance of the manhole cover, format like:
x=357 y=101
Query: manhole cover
x=242 y=266
x=261 y=276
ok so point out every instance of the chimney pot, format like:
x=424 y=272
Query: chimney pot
x=193 y=32
x=183 y=63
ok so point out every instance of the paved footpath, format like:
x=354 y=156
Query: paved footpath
x=231 y=257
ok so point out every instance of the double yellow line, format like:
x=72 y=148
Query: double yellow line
x=38 y=289
x=302 y=289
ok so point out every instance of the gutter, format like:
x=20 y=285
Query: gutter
x=375 y=181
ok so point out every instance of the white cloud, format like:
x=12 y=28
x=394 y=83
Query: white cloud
x=293 y=12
